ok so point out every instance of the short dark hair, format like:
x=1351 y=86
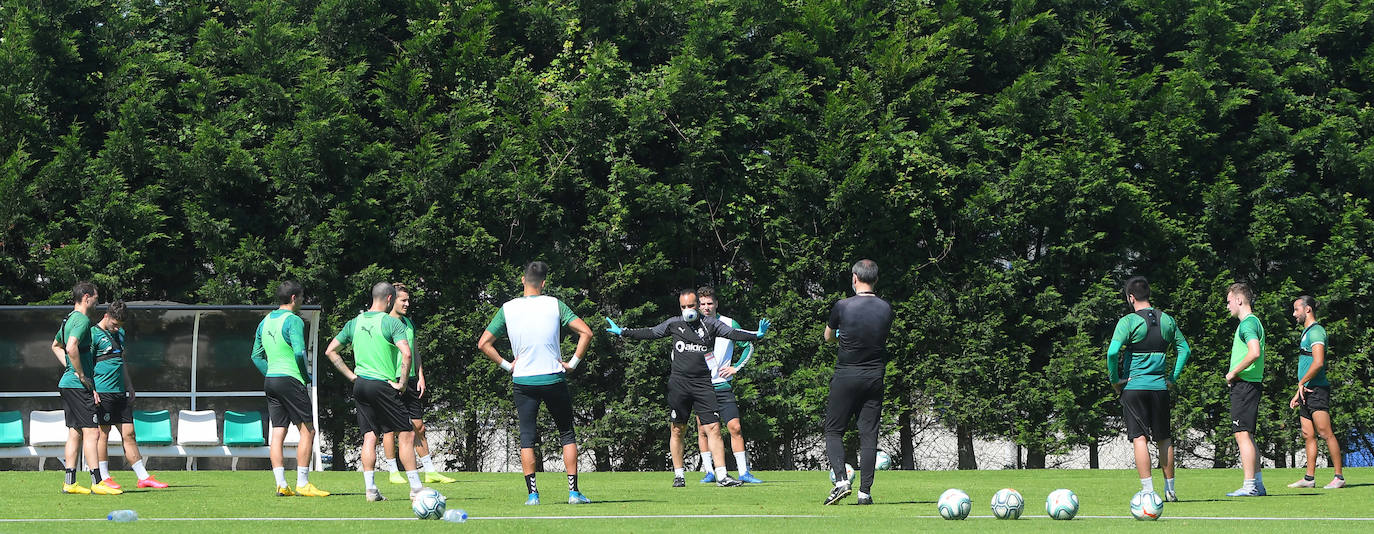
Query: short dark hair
x=117 y=310
x=400 y=288
x=1242 y=289
x=1138 y=287
x=289 y=288
x=686 y=291
x=866 y=270
x=536 y=272
x=383 y=290
x=1309 y=301
x=82 y=290
x=706 y=291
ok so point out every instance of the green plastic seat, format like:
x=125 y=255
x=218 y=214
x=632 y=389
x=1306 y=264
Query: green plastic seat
x=153 y=428
x=11 y=429
x=243 y=429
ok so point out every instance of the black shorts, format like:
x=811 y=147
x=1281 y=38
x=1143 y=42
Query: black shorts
x=115 y=409
x=686 y=395
x=1245 y=399
x=556 y=398
x=379 y=407
x=79 y=407
x=726 y=405
x=1146 y=413
x=288 y=402
x=414 y=406
x=1317 y=400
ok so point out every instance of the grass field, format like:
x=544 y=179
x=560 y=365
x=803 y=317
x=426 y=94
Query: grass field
x=221 y=502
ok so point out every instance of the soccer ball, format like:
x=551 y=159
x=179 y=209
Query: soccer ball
x=1008 y=504
x=954 y=504
x=848 y=470
x=429 y=504
x=884 y=461
x=1061 y=504
x=1147 y=506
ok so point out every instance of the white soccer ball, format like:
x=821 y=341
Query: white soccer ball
x=954 y=504
x=1061 y=504
x=848 y=470
x=884 y=461
x=1008 y=504
x=1147 y=506
x=429 y=504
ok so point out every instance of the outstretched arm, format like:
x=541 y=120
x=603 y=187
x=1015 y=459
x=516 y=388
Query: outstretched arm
x=657 y=332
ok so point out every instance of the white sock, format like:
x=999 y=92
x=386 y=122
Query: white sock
x=139 y=470
x=104 y=470
x=678 y=473
x=370 y=480
x=1249 y=484
x=280 y=473
x=302 y=476
x=427 y=463
x=414 y=478
x=1168 y=484
x=721 y=473
x=741 y=463
x=706 y=461
x=1147 y=484
x=389 y=464
x=863 y=495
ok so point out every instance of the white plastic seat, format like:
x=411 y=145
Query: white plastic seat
x=196 y=429
x=47 y=434
x=48 y=428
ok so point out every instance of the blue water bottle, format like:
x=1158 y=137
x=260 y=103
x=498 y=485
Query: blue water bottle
x=122 y=516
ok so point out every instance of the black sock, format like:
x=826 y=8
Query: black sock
x=572 y=483
x=95 y=476
x=1309 y=478
x=71 y=476
x=530 y=485
x=1342 y=477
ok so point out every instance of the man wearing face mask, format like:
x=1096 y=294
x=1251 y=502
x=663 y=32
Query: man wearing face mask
x=689 y=383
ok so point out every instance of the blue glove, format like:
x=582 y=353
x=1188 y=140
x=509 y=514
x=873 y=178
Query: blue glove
x=614 y=329
x=763 y=327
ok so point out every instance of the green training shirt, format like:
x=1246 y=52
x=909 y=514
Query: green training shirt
x=108 y=351
x=279 y=346
x=373 y=336
x=76 y=325
x=1147 y=369
x=1311 y=337
x=1248 y=329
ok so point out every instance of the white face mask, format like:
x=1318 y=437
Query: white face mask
x=690 y=314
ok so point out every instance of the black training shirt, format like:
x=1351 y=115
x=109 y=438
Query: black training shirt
x=861 y=323
x=691 y=342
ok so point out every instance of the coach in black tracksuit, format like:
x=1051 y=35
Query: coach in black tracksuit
x=689 y=384
x=860 y=324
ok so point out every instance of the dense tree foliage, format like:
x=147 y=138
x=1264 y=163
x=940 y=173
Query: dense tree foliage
x=1008 y=164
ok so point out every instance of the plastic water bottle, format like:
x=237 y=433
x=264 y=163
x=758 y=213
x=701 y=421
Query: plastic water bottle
x=454 y=515
x=122 y=516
